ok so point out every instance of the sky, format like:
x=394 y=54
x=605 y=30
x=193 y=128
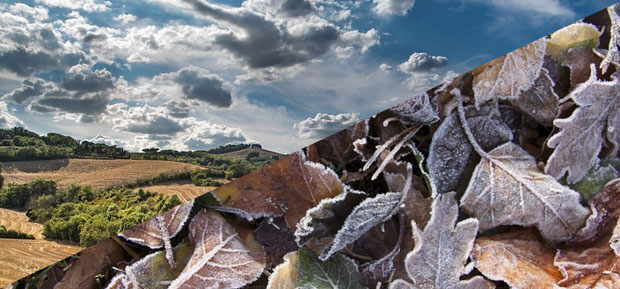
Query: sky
x=197 y=74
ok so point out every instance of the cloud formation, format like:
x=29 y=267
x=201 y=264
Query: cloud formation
x=422 y=62
x=86 y=5
x=200 y=85
x=392 y=7
x=7 y=120
x=323 y=124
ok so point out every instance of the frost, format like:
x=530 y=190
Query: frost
x=380 y=270
x=578 y=143
x=595 y=181
x=441 y=250
x=579 y=60
x=517 y=258
x=452 y=158
x=612 y=56
x=417 y=110
x=575 y=35
x=284 y=276
x=338 y=272
x=510 y=75
x=337 y=150
x=540 y=101
x=220 y=258
x=614 y=242
x=507 y=188
x=157 y=232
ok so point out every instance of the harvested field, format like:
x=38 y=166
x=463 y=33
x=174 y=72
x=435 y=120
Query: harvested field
x=97 y=173
x=21 y=258
x=18 y=221
x=185 y=190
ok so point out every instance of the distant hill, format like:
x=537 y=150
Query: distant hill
x=243 y=154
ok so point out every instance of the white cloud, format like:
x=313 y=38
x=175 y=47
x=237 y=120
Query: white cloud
x=392 y=7
x=7 y=120
x=422 y=81
x=323 y=124
x=422 y=62
x=107 y=140
x=86 y=5
x=125 y=18
x=546 y=7
x=385 y=67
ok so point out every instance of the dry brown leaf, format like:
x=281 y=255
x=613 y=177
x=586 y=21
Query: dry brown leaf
x=605 y=209
x=220 y=259
x=540 y=101
x=337 y=150
x=614 y=242
x=284 y=276
x=510 y=75
x=441 y=250
x=157 y=232
x=276 y=238
x=507 y=188
x=518 y=258
x=579 y=141
x=578 y=60
x=612 y=55
x=288 y=187
x=594 y=267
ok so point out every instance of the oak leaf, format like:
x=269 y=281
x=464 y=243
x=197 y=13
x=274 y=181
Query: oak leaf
x=579 y=141
x=441 y=250
x=507 y=188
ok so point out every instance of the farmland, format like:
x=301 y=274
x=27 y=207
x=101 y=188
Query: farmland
x=184 y=189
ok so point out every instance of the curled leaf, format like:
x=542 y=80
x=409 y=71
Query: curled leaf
x=284 y=276
x=612 y=56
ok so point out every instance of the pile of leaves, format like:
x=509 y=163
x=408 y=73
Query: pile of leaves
x=505 y=177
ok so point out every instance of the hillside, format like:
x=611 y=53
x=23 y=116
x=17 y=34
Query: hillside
x=97 y=173
x=242 y=154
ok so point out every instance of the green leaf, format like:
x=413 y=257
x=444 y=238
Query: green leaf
x=595 y=180
x=338 y=272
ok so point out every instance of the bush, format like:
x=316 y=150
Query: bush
x=12 y=234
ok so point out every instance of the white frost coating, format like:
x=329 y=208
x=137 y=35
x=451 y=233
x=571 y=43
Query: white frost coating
x=418 y=110
x=120 y=281
x=507 y=188
x=516 y=74
x=612 y=56
x=579 y=141
x=441 y=250
x=614 y=242
x=284 y=275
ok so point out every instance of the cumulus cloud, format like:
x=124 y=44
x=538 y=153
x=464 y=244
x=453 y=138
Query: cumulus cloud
x=7 y=120
x=83 y=80
x=421 y=82
x=422 y=62
x=178 y=109
x=385 y=67
x=200 y=85
x=206 y=135
x=125 y=18
x=149 y=120
x=30 y=88
x=86 y=5
x=89 y=105
x=392 y=7
x=107 y=140
x=322 y=124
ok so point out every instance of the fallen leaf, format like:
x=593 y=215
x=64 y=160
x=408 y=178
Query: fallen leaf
x=338 y=272
x=276 y=238
x=578 y=60
x=451 y=157
x=540 y=101
x=157 y=232
x=289 y=187
x=416 y=110
x=284 y=276
x=575 y=35
x=220 y=258
x=510 y=75
x=507 y=188
x=337 y=150
x=579 y=141
x=612 y=55
x=605 y=210
x=614 y=242
x=441 y=250
x=380 y=270
x=518 y=258
x=595 y=181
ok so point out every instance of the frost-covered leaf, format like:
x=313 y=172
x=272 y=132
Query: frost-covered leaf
x=284 y=276
x=510 y=75
x=289 y=187
x=417 y=207
x=220 y=258
x=417 y=110
x=451 y=158
x=276 y=238
x=507 y=188
x=595 y=180
x=381 y=269
x=518 y=258
x=614 y=242
x=579 y=141
x=575 y=35
x=157 y=232
x=612 y=56
x=90 y=264
x=579 y=60
x=337 y=150
x=605 y=209
x=339 y=272
x=441 y=250
x=540 y=101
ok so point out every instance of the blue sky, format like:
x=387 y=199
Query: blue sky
x=196 y=74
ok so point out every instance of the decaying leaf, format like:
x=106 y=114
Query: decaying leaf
x=594 y=267
x=417 y=207
x=157 y=232
x=575 y=35
x=337 y=150
x=612 y=56
x=605 y=209
x=614 y=242
x=518 y=258
x=510 y=75
x=220 y=259
x=284 y=276
x=338 y=272
x=540 y=101
x=578 y=60
x=577 y=145
x=276 y=238
x=441 y=250
x=380 y=270
x=595 y=180
x=451 y=157
x=416 y=110
x=291 y=185
x=507 y=188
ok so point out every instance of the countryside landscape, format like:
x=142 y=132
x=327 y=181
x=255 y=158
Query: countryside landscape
x=59 y=195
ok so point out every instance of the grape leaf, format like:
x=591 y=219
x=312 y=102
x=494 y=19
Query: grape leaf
x=441 y=250
x=284 y=276
x=339 y=272
x=510 y=75
x=289 y=187
x=540 y=101
x=579 y=141
x=451 y=157
x=507 y=188
x=612 y=56
x=518 y=258
x=157 y=232
x=220 y=258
